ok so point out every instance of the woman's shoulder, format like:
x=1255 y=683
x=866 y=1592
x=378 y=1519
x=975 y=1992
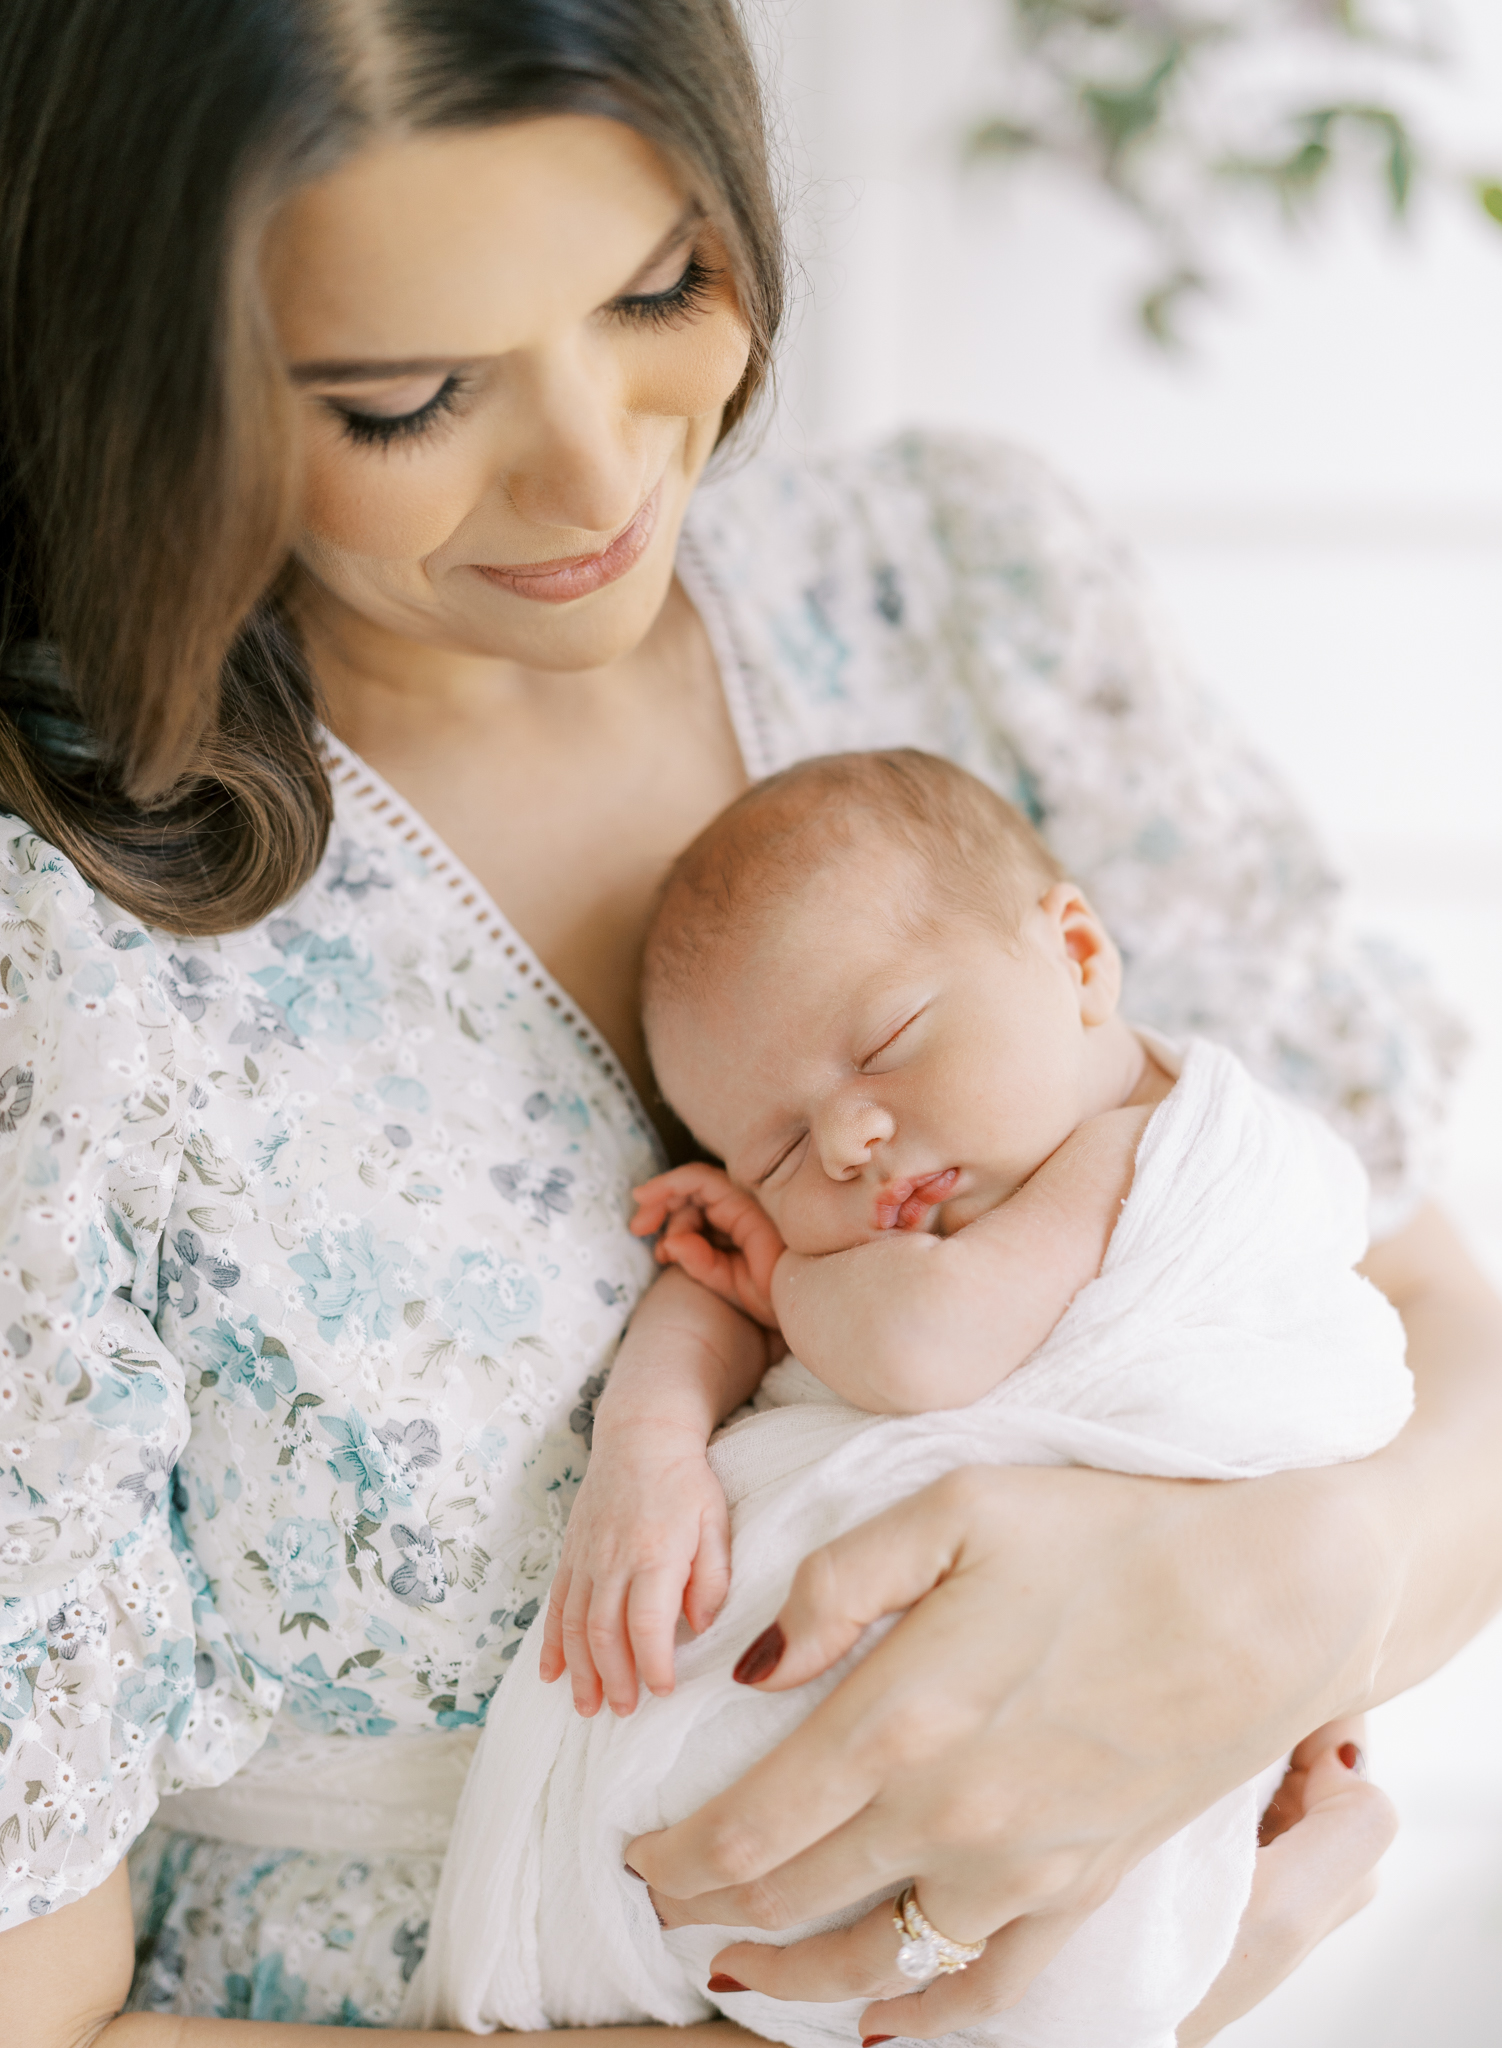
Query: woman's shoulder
x=65 y=949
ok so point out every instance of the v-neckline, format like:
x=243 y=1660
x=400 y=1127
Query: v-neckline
x=355 y=782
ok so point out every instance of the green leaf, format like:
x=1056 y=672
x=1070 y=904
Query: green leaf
x=301 y=1400
x=273 y=1347
x=413 y=1313
x=468 y=1028
x=1489 y=192
x=252 y=1071
x=215 y=1221
x=81 y=1389
x=210 y=1378
x=361 y=1662
x=34 y=1790
x=304 y=1621
x=10 y=1829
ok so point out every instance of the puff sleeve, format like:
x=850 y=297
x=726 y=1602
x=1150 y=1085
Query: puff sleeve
x=117 y=1680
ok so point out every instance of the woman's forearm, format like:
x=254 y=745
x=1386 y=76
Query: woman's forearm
x=1434 y=1498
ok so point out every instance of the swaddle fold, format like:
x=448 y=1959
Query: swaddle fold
x=1226 y=1336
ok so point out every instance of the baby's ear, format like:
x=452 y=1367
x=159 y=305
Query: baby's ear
x=1089 y=949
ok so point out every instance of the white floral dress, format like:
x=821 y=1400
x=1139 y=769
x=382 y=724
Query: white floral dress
x=312 y=1238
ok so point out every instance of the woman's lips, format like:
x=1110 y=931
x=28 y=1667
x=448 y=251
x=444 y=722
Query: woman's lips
x=571 y=576
x=903 y=1204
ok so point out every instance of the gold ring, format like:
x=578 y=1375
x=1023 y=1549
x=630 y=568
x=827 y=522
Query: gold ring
x=925 y=1952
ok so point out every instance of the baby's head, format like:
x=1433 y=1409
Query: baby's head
x=869 y=989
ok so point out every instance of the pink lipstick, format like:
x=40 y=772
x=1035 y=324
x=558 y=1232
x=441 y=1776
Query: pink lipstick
x=569 y=576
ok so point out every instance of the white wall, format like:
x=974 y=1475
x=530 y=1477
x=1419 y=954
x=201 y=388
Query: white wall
x=1318 y=489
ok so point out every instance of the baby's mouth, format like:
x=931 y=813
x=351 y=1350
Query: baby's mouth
x=904 y=1204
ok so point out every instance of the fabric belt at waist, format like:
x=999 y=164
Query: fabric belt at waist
x=359 y=1794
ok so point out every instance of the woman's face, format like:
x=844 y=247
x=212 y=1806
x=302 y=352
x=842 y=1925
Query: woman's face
x=513 y=347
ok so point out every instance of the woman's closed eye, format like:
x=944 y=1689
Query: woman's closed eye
x=678 y=302
x=380 y=428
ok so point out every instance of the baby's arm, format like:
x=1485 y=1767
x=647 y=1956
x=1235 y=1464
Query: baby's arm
x=649 y=1535
x=908 y=1321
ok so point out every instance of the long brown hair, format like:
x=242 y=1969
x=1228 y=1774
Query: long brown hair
x=157 y=722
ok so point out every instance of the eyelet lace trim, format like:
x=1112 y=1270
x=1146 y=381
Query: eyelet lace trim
x=356 y=783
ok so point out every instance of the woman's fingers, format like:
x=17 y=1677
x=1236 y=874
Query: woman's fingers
x=848 y=1962
x=880 y=1568
x=832 y=1764
x=1309 y=1880
x=828 y=1769
x=860 y=1961
x=990 y=1985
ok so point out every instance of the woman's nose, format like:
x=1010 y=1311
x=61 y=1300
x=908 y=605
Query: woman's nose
x=848 y=1134
x=570 y=461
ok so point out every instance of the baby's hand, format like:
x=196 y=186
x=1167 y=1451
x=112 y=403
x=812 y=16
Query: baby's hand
x=648 y=1539
x=737 y=1261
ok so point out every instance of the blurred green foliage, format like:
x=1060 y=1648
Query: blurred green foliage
x=1140 y=97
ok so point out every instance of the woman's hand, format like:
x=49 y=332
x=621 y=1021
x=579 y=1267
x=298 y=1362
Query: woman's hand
x=717 y=1233
x=1096 y=1661
x=1323 y=1836
x=1086 y=1665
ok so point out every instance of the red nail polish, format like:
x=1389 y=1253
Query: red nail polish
x=763 y=1657
x=720 y=1982
x=1350 y=1755
x=870 y=2040
x=634 y=1873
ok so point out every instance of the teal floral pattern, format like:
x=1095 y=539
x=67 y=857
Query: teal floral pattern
x=313 y=1254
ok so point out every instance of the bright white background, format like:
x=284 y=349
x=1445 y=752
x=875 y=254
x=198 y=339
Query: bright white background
x=1317 y=489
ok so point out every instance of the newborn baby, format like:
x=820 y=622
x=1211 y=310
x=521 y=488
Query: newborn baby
x=992 y=1224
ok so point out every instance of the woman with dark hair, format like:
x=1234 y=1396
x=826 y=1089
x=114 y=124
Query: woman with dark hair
x=363 y=664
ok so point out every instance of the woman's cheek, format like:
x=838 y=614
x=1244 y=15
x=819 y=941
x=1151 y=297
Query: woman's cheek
x=687 y=374
x=399 y=505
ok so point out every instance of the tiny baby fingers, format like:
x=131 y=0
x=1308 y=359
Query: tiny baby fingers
x=553 y=1662
x=584 y=1678
x=610 y=1647
x=654 y=1602
x=709 y=1576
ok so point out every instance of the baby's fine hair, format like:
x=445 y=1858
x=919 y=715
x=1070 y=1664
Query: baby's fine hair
x=976 y=854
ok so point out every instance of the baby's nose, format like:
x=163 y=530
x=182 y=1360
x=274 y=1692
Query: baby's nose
x=849 y=1137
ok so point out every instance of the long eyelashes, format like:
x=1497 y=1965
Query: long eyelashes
x=379 y=430
x=670 y=308
x=681 y=301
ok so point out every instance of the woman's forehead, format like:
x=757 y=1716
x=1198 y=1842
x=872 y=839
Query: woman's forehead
x=468 y=243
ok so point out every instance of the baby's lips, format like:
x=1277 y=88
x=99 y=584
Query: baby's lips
x=902 y=1204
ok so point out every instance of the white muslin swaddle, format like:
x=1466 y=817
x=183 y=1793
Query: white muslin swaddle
x=1226 y=1336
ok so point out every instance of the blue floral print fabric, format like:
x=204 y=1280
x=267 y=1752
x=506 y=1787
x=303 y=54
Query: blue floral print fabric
x=313 y=1253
